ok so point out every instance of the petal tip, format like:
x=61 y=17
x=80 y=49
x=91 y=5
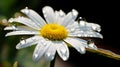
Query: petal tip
x=25 y=10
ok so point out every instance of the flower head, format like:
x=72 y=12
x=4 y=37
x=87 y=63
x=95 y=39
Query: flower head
x=54 y=33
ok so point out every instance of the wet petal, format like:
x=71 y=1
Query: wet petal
x=63 y=51
x=50 y=53
x=25 y=28
x=81 y=33
x=28 y=42
x=89 y=26
x=22 y=33
x=25 y=21
x=89 y=34
x=34 y=16
x=59 y=15
x=49 y=14
x=70 y=18
x=40 y=50
x=78 y=44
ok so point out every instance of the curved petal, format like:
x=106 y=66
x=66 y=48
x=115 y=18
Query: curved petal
x=49 y=14
x=22 y=33
x=59 y=16
x=85 y=34
x=24 y=28
x=28 y=42
x=89 y=26
x=40 y=49
x=70 y=18
x=38 y=20
x=25 y=21
x=82 y=31
x=78 y=44
x=50 y=53
x=63 y=50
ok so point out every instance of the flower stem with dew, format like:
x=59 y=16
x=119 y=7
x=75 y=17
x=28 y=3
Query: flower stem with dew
x=106 y=53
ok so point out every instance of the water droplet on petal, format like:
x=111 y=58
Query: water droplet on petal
x=72 y=30
x=64 y=54
x=36 y=55
x=96 y=27
x=26 y=10
x=22 y=41
x=91 y=45
x=81 y=19
x=74 y=12
x=63 y=51
x=61 y=13
x=14 y=27
x=82 y=23
x=49 y=56
x=11 y=20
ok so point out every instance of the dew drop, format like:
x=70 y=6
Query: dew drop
x=72 y=30
x=61 y=13
x=22 y=41
x=49 y=56
x=80 y=19
x=96 y=28
x=26 y=10
x=14 y=27
x=64 y=54
x=11 y=20
x=36 y=55
x=91 y=45
x=74 y=12
x=63 y=51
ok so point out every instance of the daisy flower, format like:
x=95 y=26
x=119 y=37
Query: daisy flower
x=54 y=33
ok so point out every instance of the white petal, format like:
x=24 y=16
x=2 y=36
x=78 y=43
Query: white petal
x=40 y=50
x=95 y=27
x=70 y=18
x=49 y=14
x=50 y=53
x=22 y=33
x=28 y=42
x=25 y=21
x=78 y=44
x=59 y=16
x=25 y=28
x=62 y=50
x=34 y=16
x=61 y=13
x=82 y=33
x=89 y=26
x=74 y=13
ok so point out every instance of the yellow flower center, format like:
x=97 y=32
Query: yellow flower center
x=53 y=32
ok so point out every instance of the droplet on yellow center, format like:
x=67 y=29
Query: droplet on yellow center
x=54 y=32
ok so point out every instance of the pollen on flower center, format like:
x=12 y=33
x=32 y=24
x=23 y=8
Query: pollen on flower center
x=53 y=31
